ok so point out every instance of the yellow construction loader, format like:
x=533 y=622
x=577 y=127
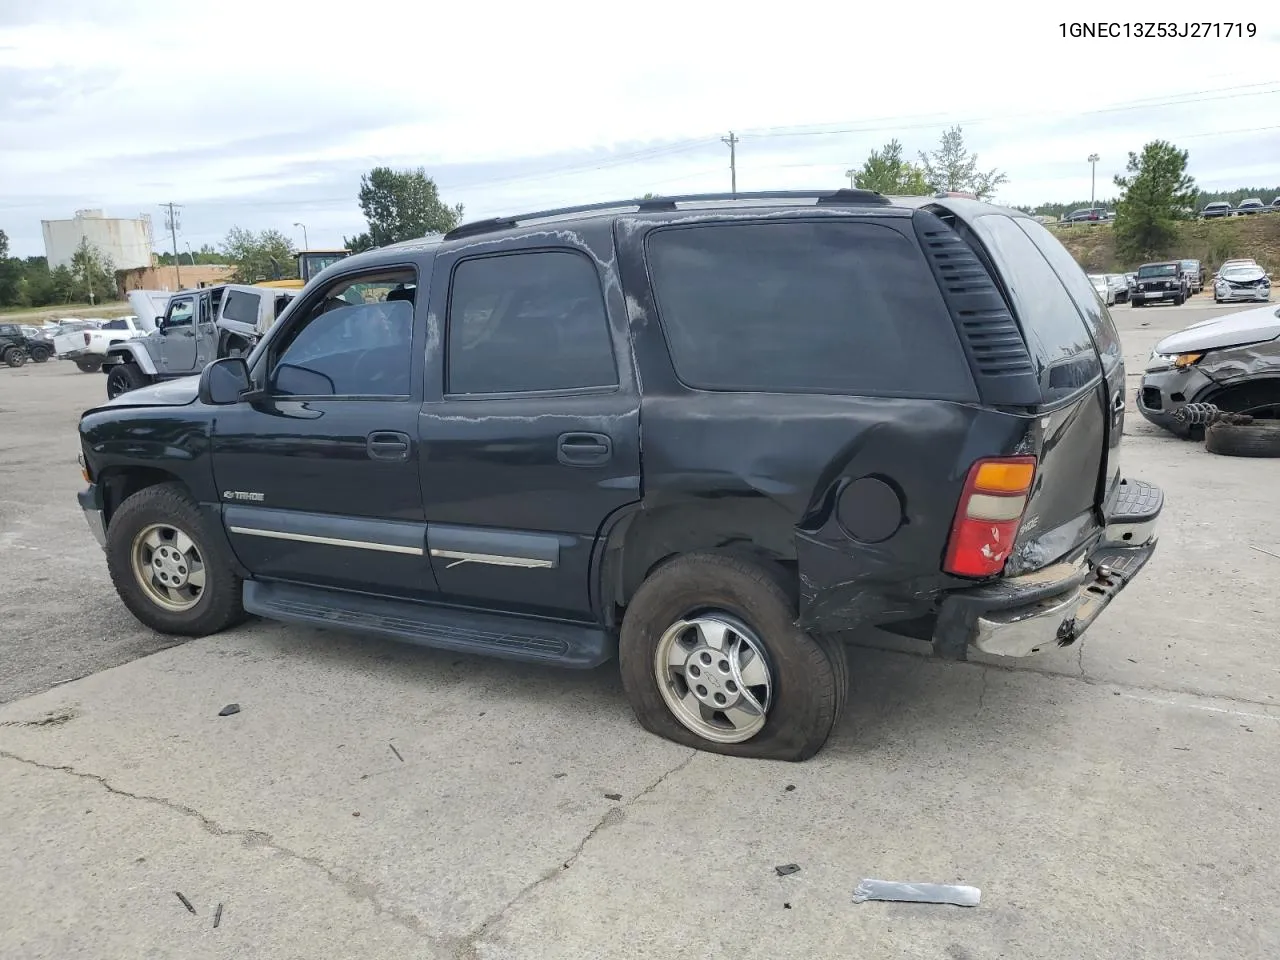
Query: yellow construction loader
x=310 y=262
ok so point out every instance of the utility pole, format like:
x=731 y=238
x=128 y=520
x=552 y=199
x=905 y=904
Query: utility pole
x=850 y=174
x=1093 y=179
x=171 y=220
x=732 y=142
x=306 y=245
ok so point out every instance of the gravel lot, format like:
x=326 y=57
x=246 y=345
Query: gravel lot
x=1114 y=799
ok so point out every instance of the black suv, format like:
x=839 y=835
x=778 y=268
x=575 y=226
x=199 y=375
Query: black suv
x=16 y=347
x=709 y=435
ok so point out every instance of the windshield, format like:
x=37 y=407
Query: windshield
x=311 y=264
x=1244 y=271
x=1158 y=270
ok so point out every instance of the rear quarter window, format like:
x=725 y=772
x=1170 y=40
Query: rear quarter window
x=1055 y=333
x=805 y=307
x=1079 y=288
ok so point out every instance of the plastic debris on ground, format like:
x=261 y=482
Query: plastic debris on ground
x=960 y=896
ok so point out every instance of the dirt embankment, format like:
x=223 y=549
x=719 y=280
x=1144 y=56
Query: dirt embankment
x=1209 y=241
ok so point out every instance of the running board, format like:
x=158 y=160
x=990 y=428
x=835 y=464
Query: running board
x=572 y=645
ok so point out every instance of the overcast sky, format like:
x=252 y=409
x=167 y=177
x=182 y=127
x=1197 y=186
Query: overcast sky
x=250 y=115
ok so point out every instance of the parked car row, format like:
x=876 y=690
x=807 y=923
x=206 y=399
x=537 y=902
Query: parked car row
x=1221 y=208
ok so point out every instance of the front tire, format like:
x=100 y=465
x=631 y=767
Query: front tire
x=40 y=354
x=711 y=658
x=123 y=378
x=168 y=569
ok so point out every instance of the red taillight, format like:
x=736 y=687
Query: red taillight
x=987 y=518
x=87 y=338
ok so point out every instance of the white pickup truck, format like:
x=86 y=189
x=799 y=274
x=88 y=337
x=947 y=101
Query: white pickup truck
x=88 y=348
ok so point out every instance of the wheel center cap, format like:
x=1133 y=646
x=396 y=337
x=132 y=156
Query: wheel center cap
x=170 y=567
x=710 y=678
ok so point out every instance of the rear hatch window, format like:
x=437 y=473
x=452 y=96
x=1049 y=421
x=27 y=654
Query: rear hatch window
x=806 y=307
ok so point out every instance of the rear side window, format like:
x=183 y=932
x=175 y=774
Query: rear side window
x=805 y=307
x=528 y=322
x=241 y=307
x=1073 y=278
x=1058 y=338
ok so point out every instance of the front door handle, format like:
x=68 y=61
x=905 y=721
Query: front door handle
x=584 y=449
x=388 y=445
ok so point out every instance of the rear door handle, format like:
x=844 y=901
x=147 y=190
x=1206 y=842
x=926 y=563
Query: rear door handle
x=584 y=449
x=388 y=445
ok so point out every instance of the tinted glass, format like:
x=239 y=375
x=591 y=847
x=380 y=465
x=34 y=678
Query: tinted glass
x=805 y=307
x=526 y=322
x=1064 y=265
x=8 y=331
x=350 y=350
x=1160 y=270
x=241 y=307
x=115 y=325
x=1053 y=328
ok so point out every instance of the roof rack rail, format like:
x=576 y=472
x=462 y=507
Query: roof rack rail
x=841 y=197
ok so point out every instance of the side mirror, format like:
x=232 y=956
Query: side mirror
x=224 y=381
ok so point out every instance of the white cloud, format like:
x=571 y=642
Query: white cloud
x=271 y=119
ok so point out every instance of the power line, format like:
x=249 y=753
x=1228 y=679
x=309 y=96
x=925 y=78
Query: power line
x=774 y=132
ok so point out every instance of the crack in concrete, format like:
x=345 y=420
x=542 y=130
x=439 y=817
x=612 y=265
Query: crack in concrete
x=982 y=694
x=358 y=890
x=469 y=948
x=1080 y=659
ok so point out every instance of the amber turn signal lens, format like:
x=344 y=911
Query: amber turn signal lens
x=1186 y=359
x=1005 y=476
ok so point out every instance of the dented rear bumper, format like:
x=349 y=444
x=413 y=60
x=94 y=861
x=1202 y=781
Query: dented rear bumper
x=1053 y=606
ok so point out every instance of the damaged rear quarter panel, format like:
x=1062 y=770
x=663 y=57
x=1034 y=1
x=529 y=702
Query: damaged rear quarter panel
x=798 y=453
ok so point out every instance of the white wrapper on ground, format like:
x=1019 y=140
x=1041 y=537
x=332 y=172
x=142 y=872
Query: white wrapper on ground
x=916 y=892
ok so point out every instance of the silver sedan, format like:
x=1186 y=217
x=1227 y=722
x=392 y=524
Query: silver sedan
x=1243 y=282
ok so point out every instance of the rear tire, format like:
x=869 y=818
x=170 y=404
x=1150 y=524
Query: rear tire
x=15 y=357
x=123 y=378
x=158 y=548
x=1258 y=439
x=806 y=677
x=89 y=366
x=40 y=354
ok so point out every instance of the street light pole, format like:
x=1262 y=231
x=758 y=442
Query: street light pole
x=1093 y=179
x=306 y=245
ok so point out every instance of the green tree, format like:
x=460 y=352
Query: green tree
x=952 y=167
x=884 y=171
x=268 y=255
x=401 y=205
x=94 y=275
x=205 y=255
x=11 y=276
x=1155 y=195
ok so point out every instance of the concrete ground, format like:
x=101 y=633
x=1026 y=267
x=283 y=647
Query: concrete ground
x=379 y=800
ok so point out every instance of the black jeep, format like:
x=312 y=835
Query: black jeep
x=16 y=347
x=709 y=435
